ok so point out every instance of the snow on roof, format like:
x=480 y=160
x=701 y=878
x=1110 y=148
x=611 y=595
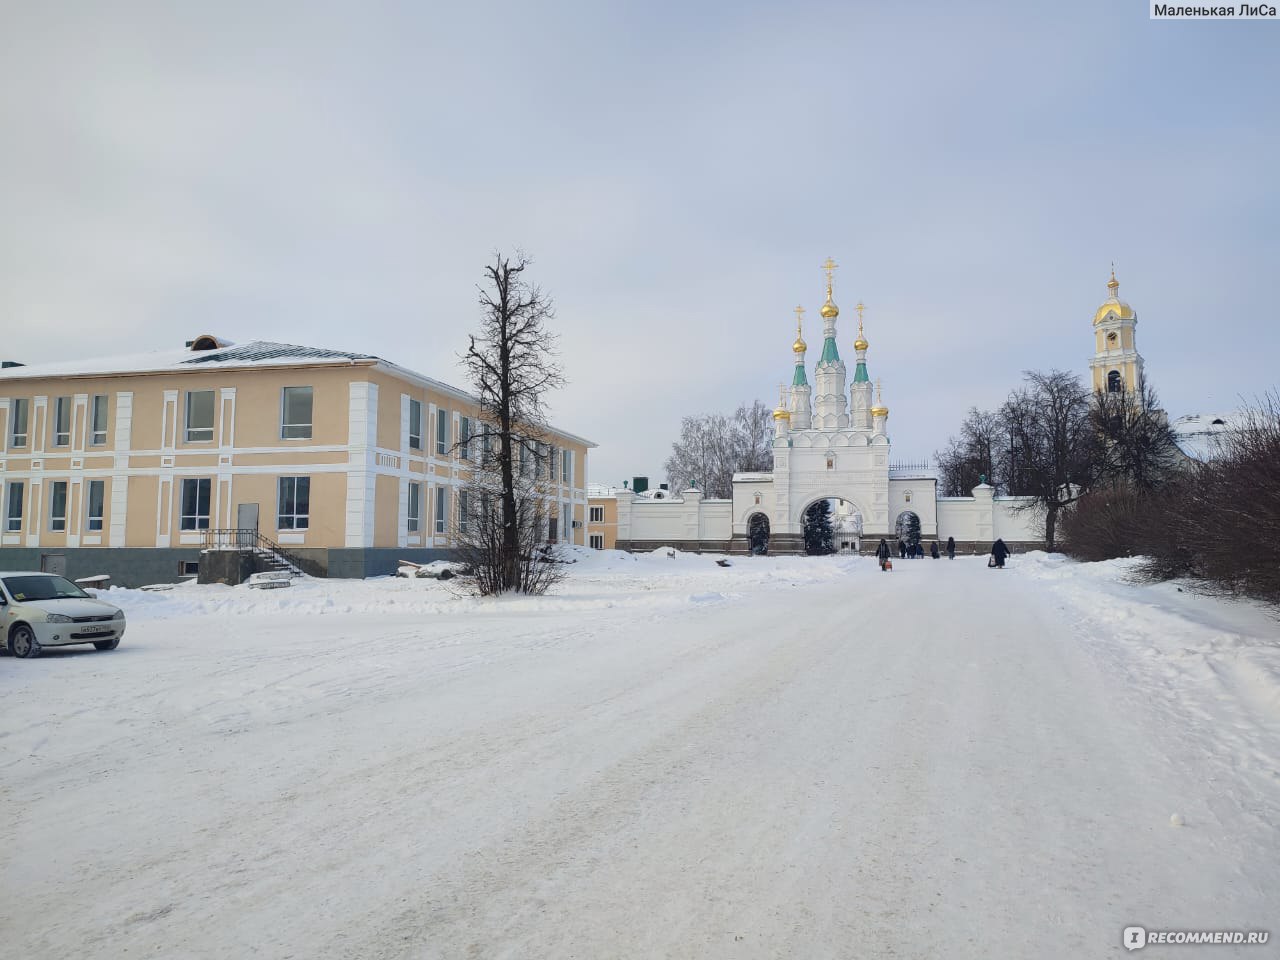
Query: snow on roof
x=1200 y=435
x=259 y=352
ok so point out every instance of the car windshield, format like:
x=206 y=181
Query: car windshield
x=25 y=589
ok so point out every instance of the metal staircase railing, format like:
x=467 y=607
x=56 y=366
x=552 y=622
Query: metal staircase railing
x=249 y=540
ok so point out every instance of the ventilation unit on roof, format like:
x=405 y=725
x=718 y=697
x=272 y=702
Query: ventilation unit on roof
x=207 y=341
x=6 y=364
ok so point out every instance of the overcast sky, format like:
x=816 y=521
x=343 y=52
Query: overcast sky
x=338 y=174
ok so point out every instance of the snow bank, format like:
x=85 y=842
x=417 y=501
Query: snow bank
x=595 y=579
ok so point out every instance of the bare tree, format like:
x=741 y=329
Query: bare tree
x=980 y=451
x=1056 y=449
x=1138 y=447
x=713 y=447
x=753 y=438
x=512 y=366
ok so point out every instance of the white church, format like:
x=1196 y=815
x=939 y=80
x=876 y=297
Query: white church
x=831 y=442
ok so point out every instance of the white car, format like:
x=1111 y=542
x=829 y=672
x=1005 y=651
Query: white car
x=39 y=610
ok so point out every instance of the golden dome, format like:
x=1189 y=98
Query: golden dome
x=1113 y=302
x=781 y=414
x=879 y=411
x=1122 y=310
x=860 y=344
x=799 y=346
x=829 y=310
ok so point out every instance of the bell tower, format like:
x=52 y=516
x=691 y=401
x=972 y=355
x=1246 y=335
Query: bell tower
x=1116 y=366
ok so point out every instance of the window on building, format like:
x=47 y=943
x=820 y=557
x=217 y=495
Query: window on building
x=464 y=438
x=442 y=431
x=58 y=505
x=415 y=424
x=188 y=568
x=597 y=514
x=13 y=513
x=195 y=504
x=96 y=501
x=566 y=467
x=19 y=410
x=414 y=509
x=1115 y=383
x=597 y=541
x=551 y=464
x=566 y=524
x=442 y=508
x=200 y=407
x=62 y=422
x=294 y=502
x=553 y=528
x=296 y=407
x=98 y=421
x=486 y=445
x=464 y=511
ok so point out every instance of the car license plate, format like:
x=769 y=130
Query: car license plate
x=96 y=630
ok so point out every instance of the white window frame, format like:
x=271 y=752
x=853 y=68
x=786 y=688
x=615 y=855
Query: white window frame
x=415 y=438
x=442 y=431
x=296 y=520
x=294 y=431
x=566 y=467
x=17 y=439
x=597 y=514
x=442 y=508
x=413 y=508
x=98 y=430
x=464 y=504
x=464 y=438
x=196 y=517
x=9 y=525
x=597 y=541
x=195 y=434
x=58 y=522
x=92 y=521
x=61 y=408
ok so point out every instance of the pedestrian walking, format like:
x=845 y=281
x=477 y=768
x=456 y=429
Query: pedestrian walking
x=998 y=553
x=902 y=549
x=951 y=548
x=882 y=553
x=933 y=549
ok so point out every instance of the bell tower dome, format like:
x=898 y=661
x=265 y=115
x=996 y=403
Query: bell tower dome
x=1116 y=366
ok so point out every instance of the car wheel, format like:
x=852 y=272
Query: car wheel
x=107 y=644
x=23 y=642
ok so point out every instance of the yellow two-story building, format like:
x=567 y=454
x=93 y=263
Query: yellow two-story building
x=123 y=466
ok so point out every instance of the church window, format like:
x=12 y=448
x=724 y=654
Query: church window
x=831 y=461
x=757 y=499
x=907 y=496
x=1115 y=384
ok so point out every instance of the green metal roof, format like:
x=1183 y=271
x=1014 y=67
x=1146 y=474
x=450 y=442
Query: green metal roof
x=860 y=373
x=799 y=379
x=829 y=352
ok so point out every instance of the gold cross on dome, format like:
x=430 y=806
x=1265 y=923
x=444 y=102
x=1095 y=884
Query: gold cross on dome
x=859 y=308
x=782 y=396
x=878 y=397
x=830 y=267
x=799 y=312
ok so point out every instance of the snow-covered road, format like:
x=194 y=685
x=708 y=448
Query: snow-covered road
x=817 y=761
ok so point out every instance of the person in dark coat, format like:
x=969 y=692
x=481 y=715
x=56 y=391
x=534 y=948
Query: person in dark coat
x=902 y=549
x=882 y=552
x=933 y=549
x=999 y=551
x=951 y=548
x=920 y=551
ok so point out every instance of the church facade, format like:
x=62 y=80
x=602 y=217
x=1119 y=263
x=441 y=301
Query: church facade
x=831 y=443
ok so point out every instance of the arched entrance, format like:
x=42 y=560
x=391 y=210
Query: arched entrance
x=908 y=528
x=831 y=525
x=758 y=534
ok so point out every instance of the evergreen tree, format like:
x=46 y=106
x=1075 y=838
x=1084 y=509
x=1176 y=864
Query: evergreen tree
x=819 y=533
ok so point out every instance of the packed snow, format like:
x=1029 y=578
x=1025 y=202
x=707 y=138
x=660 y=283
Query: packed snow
x=787 y=757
